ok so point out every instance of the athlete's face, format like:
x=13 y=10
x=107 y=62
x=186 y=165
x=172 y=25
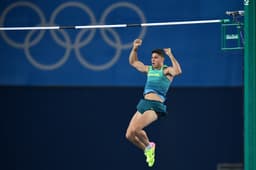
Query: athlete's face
x=157 y=60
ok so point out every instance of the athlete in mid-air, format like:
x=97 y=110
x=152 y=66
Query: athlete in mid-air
x=151 y=107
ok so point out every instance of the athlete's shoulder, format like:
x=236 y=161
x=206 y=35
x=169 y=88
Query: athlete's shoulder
x=165 y=66
x=166 y=70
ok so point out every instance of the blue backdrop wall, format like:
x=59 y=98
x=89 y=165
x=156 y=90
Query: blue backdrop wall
x=67 y=97
x=100 y=57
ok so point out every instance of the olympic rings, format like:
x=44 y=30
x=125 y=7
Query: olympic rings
x=22 y=4
x=113 y=7
x=106 y=65
x=43 y=66
x=79 y=41
x=77 y=5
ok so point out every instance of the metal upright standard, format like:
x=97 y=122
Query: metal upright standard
x=250 y=86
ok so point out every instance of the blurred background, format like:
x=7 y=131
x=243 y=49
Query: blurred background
x=67 y=96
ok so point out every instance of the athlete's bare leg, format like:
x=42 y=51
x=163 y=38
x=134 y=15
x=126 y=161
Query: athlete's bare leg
x=135 y=132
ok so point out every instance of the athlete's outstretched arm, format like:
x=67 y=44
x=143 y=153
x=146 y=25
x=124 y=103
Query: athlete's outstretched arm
x=133 y=58
x=175 y=69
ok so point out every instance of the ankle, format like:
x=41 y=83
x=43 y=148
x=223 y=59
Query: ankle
x=150 y=145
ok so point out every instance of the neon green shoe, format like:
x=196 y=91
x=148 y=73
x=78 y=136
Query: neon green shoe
x=150 y=154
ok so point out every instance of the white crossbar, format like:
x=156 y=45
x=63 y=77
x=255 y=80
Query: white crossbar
x=112 y=26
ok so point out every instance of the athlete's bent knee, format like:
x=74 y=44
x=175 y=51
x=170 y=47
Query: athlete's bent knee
x=129 y=135
x=132 y=133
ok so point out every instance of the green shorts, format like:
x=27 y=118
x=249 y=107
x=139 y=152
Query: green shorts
x=157 y=106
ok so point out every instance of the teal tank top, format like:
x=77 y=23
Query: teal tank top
x=157 y=82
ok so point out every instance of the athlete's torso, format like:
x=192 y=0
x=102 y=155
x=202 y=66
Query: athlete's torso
x=157 y=84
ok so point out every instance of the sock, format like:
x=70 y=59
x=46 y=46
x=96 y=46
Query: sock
x=149 y=145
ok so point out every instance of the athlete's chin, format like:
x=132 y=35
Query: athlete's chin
x=155 y=66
